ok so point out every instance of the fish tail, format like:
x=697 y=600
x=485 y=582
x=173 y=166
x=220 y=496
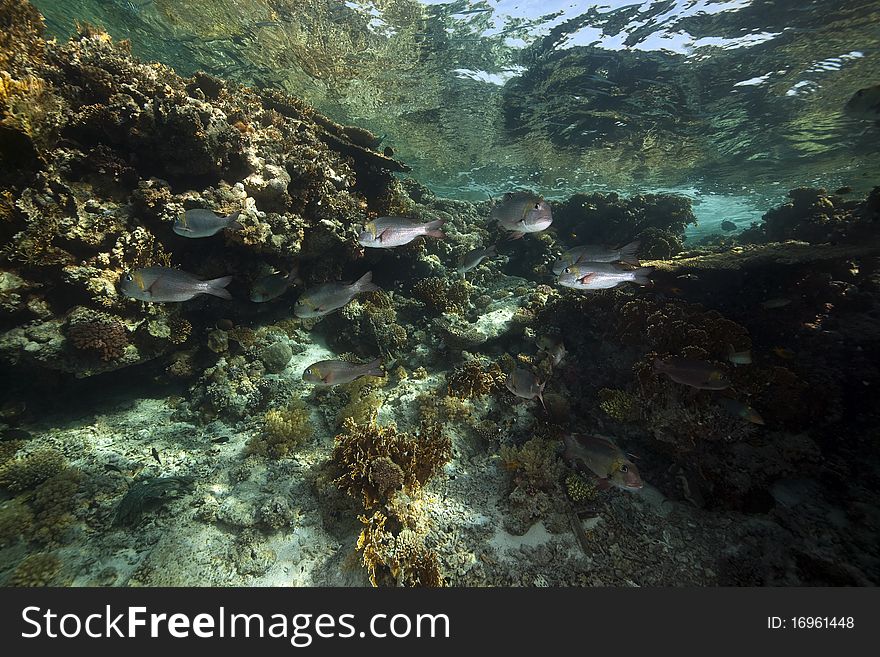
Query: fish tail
x=233 y=223
x=659 y=365
x=492 y=250
x=374 y=368
x=641 y=274
x=628 y=253
x=217 y=287
x=365 y=283
x=432 y=228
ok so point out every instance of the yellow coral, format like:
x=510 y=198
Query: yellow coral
x=35 y=570
x=358 y=446
x=15 y=521
x=473 y=379
x=30 y=471
x=578 y=488
x=619 y=405
x=284 y=431
x=401 y=560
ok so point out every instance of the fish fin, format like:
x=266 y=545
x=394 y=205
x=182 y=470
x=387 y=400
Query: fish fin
x=603 y=484
x=492 y=250
x=435 y=233
x=217 y=287
x=365 y=283
x=628 y=253
x=374 y=368
x=641 y=275
x=516 y=235
x=233 y=223
x=587 y=277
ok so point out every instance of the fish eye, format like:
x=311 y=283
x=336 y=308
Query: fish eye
x=860 y=93
x=129 y=277
x=308 y=370
x=537 y=206
x=567 y=270
x=623 y=468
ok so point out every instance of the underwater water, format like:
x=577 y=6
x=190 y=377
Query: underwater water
x=408 y=293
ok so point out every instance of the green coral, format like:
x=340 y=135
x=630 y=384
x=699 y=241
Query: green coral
x=284 y=431
x=364 y=401
x=578 y=488
x=619 y=405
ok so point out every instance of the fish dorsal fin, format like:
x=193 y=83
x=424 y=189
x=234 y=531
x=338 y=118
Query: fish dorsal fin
x=605 y=439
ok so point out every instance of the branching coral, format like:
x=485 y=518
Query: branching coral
x=619 y=405
x=401 y=559
x=285 y=430
x=534 y=465
x=30 y=471
x=579 y=489
x=53 y=503
x=16 y=520
x=475 y=379
x=358 y=447
x=442 y=295
x=35 y=570
x=364 y=401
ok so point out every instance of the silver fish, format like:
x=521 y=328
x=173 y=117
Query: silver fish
x=202 y=223
x=325 y=298
x=165 y=284
x=272 y=286
x=388 y=232
x=521 y=213
x=523 y=383
x=473 y=258
x=333 y=372
x=555 y=350
x=604 y=459
x=694 y=373
x=592 y=253
x=601 y=276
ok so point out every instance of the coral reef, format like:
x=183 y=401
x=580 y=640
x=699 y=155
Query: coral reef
x=657 y=220
x=396 y=560
x=816 y=216
x=285 y=430
x=35 y=570
x=30 y=471
x=358 y=446
x=475 y=379
x=442 y=295
x=105 y=338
